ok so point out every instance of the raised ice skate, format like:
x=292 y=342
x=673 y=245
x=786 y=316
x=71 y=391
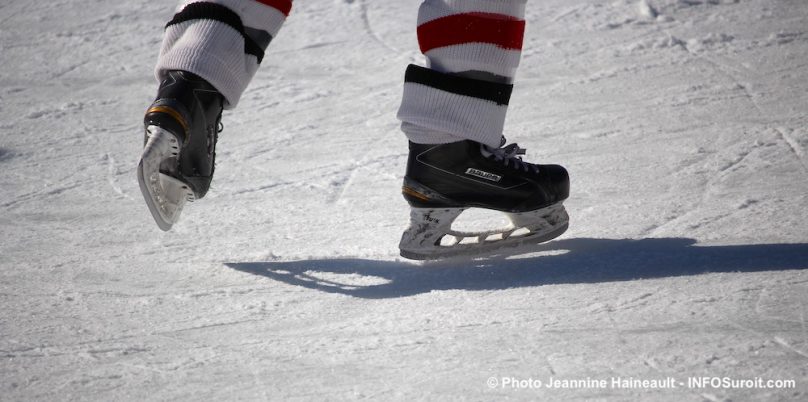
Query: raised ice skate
x=182 y=128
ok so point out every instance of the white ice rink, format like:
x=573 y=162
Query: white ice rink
x=684 y=125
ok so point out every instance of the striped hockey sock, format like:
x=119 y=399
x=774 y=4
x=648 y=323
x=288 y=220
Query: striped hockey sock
x=222 y=41
x=473 y=48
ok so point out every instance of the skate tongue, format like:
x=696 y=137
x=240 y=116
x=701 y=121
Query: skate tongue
x=509 y=153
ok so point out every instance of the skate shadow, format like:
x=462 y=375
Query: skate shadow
x=569 y=261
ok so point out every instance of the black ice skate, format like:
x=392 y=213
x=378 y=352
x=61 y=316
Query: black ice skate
x=182 y=127
x=443 y=180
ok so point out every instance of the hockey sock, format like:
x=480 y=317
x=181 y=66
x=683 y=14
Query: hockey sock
x=472 y=49
x=222 y=41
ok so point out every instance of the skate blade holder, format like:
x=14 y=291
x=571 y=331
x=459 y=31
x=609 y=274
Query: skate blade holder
x=430 y=235
x=171 y=194
x=517 y=228
x=164 y=195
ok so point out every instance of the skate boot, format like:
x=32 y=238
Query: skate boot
x=443 y=180
x=182 y=127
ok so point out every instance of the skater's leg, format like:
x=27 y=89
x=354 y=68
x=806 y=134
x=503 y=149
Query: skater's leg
x=222 y=41
x=473 y=48
x=453 y=112
x=211 y=50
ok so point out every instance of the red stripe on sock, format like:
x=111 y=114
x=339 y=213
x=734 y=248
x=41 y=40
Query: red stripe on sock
x=284 y=6
x=502 y=30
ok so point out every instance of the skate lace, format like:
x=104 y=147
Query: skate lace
x=510 y=154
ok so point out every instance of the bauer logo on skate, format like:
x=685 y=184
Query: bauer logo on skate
x=484 y=175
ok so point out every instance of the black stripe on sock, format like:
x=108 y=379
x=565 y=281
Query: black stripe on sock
x=490 y=91
x=259 y=36
x=255 y=40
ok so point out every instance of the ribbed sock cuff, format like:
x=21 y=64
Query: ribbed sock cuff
x=446 y=104
x=422 y=135
x=222 y=41
x=211 y=50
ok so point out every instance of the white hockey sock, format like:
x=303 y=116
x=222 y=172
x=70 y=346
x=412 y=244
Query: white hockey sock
x=222 y=41
x=473 y=49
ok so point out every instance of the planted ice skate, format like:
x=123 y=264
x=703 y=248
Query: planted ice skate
x=182 y=128
x=443 y=180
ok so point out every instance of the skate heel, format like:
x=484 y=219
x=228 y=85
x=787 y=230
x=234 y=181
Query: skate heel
x=164 y=195
x=420 y=196
x=427 y=228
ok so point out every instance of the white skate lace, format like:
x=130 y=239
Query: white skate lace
x=508 y=154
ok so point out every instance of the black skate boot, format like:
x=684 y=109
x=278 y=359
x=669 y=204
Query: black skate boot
x=182 y=127
x=443 y=180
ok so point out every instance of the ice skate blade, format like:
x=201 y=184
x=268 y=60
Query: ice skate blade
x=428 y=227
x=164 y=195
x=484 y=249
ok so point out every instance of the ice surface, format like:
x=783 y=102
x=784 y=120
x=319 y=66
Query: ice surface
x=683 y=124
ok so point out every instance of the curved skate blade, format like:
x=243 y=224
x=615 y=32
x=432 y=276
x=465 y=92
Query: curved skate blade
x=164 y=195
x=527 y=228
